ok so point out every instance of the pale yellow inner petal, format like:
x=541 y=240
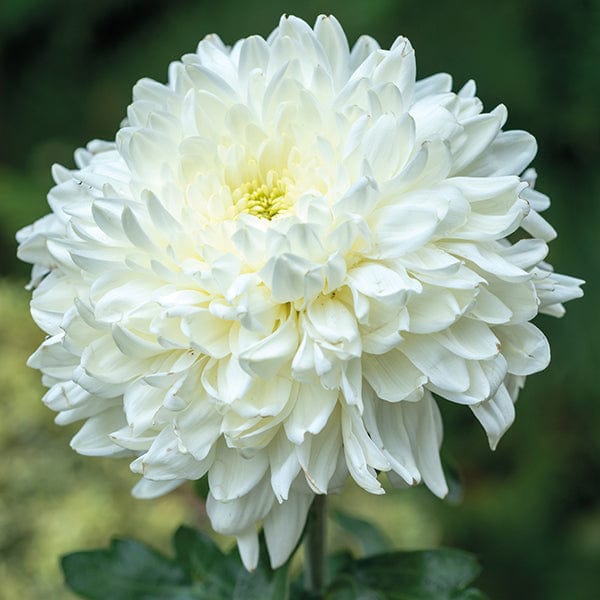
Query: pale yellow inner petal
x=264 y=197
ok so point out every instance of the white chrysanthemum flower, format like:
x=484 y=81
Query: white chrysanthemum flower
x=288 y=250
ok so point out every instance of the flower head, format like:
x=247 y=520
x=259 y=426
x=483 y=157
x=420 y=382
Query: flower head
x=287 y=251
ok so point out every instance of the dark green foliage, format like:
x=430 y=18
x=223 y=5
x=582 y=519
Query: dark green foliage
x=442 y=574
x=129 y=570
x=203 y=561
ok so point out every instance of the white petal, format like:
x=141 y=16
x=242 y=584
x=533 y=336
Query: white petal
x=539 y=202
x=470 y=339
x=520 y=298
x=93 y=439
x=284 y=465
x=234 y=517
x=488 y=259
x=484 y=379
x=248 y=546
x=363 y=48
x=266 y=357
x=362 y=455
x=424 y=427
x=232 y=382
x=525 y=348
x=377 y=281
x=351 y=383
x=141 y=402
x=207 y=333
x=318 y=455
x=283 y=527
x=402 y=228
x=553 y=288
x=163 y=220
x=508 y=154
x=232 y=476
x=392 y=376
x=254 y=54
x=292 y=277
x=386 y=426
x=66 y=395
x=103 y=361
x=312 y=408
x=334 y=42
x=332 y=320
x=358 y=199
x=51 y=300
x=135 y=343
x=53 y=359
x=163 y=460
x=434 y=84
x=147 y=489
x=198 y=427
x=490 y=309
x=526 y=253
x=437 y=308
x=125 y=438
x=135 y=231
x=388 y=143
x=538 y=227
x=495 y=415
x=265 y=398
x=443 y=368
x=431 y=259
x=399 y=67
x=479 y=132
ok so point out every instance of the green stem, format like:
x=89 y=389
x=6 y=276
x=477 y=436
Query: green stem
x=314 y=548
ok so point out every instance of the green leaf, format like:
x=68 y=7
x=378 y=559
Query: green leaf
x=263 y=583
x=128 y=570
x=204 y=562
x=442 y=574
x=371 y=539
x=470 y=594
x=200 y=556
x=337 y=563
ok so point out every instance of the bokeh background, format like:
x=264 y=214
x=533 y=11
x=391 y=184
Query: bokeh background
x=531 y=510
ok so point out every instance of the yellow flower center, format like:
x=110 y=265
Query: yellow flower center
x=264 y=198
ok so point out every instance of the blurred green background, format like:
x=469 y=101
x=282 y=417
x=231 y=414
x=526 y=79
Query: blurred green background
x=530 y=510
